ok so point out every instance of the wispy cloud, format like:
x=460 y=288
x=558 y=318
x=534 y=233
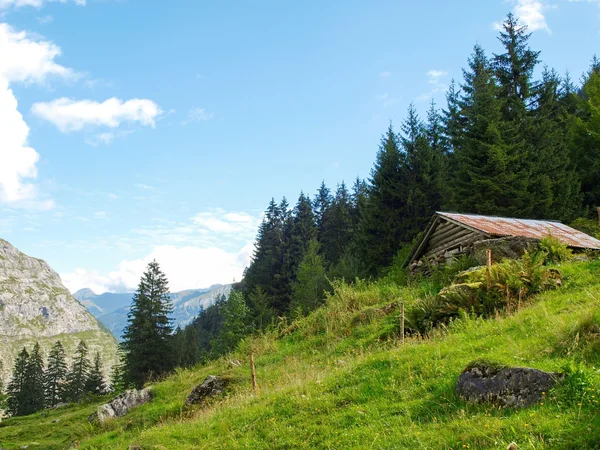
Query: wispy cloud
x=385 y=74
x=197 y=115
x=388 y=100
x=106 y=138
x=145 y=187
x=435 y=78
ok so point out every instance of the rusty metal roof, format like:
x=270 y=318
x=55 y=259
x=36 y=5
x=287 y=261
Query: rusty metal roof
x=536 y=229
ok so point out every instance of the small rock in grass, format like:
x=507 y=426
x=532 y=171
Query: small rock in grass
x=210 y=387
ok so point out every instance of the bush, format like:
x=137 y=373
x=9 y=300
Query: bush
x=554 y=250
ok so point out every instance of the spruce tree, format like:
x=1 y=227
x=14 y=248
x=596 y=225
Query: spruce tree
x=311 y=283
x=337 y=228
x=95 y=384
x=488 y=178
x=321 y=204
x=17 y=396
x=585 y=140
x=381 y=227
x=235 y=323
x=423 y=172
x=147 y=339
x=78 y=374
x=260 y=310
x=34 y=381
x=56 y=375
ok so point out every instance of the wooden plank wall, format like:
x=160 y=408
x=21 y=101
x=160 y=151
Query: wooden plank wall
x=447 y=236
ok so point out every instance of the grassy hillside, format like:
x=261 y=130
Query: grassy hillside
x=341 y=378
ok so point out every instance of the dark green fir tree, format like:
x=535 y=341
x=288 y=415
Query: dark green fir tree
x=78 y=374
x=55 y=379
x=147 y=343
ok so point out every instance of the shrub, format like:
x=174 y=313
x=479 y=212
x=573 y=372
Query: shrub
x=554 y=250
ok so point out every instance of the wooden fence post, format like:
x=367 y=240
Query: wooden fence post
x=488 y=267
x=253 y=372
x=402 y=321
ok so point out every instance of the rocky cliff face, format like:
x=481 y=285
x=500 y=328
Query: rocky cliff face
x=36 y=307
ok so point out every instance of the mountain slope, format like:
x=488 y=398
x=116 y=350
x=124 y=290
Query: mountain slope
x=36 y=307
x=342 y=379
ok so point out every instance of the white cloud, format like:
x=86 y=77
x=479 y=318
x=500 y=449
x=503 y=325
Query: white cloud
x=28 y=60
x=100 y=215
x=70 y=115
x=219 y=221
x=186 y=268
x=5 y=4
x=212 y=247
x=385 y=74
x=530 y=13
x=435 y=75
x=197 y=115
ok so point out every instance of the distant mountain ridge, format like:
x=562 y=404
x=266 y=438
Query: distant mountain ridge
x=111 y=309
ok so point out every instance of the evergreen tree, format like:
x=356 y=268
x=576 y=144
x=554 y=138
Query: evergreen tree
x=311 y=283
x=554 y=183
x=78 y=374
x=56 y=375
x=488 y=175
x=585 y=141
x=266 y=260
x=260 y=311
x=34 y=381
x=381 y=227
x=17 y=395
x=117 y=378
x=423 y=172
x=321 y=204
x=147 y=340
x=235 y=323
x=337 y=228
x=95 y=382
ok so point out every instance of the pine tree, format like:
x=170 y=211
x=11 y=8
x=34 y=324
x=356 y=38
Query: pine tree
x=266 y=257
x=34 y=381
x=554 y=183
x=337 y=228
x=260 y=311
x=321 y=204
x=311 y=283
x=78 y=374
x=235 y=323
x=95 y=384
x=489 y=178
x=117 y=378
x=585 y=139
x=17 y=396
x=56 y=375
x=147 y=340
x=381 y=227
x=423 y=172
x=514 y=69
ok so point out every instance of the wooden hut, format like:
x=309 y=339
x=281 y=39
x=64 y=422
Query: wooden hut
x=449 y=235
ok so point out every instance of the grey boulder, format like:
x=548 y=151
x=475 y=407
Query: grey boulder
x=210 y=387
x=504 y=386
x=121 y=405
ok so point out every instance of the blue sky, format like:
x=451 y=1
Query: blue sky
x=132 y=129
